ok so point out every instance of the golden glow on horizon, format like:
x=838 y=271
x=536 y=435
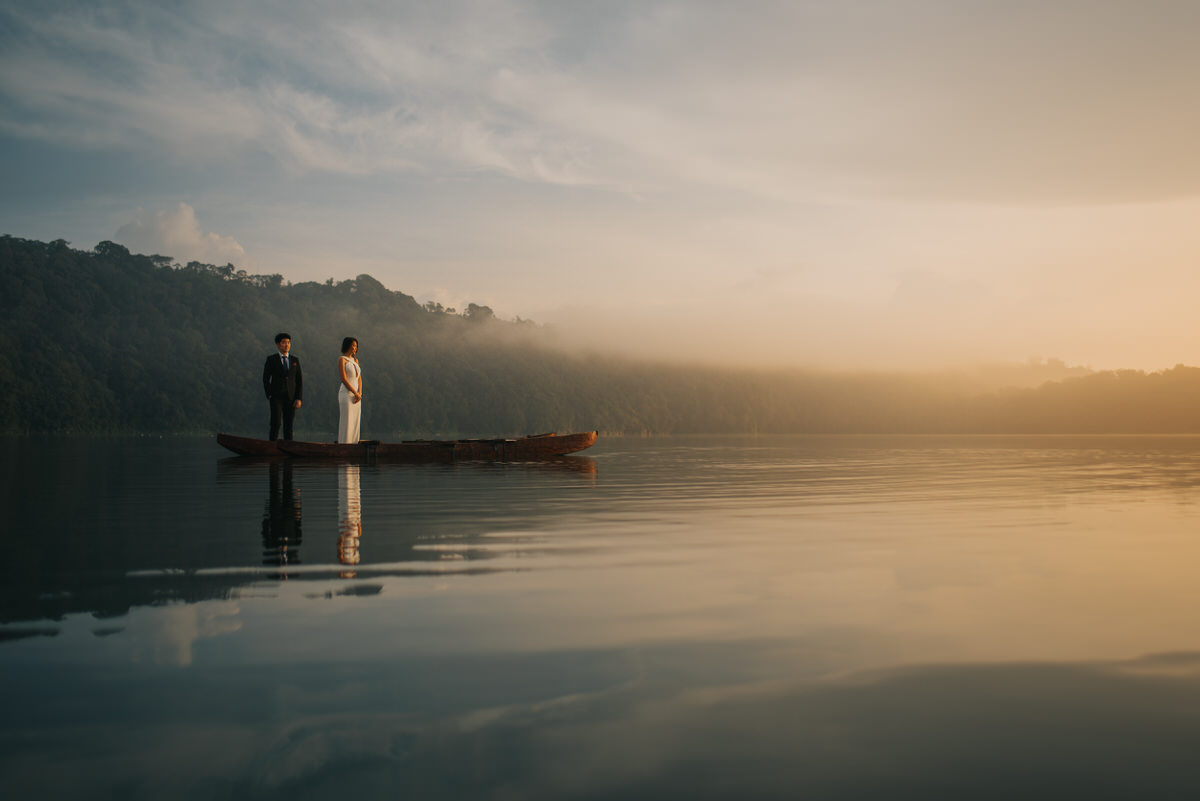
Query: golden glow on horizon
x=910 y=185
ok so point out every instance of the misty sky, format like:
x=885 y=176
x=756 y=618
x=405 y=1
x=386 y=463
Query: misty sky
x=897 y=183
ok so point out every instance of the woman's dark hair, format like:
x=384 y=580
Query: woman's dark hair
x=346 y=343
x=281 y=336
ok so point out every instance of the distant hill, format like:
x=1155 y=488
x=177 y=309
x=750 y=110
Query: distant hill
x=108 y=341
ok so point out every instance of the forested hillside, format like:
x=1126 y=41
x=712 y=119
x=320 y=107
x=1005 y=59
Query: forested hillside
x=108 y=341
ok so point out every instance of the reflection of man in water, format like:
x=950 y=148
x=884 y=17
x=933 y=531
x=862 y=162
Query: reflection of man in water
x=349 y=518
x=281 y=519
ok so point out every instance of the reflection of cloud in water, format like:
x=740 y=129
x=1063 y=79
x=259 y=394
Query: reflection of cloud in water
x=9 y=634
x=166 y=635
x=353 y=591
x=624 y=725
x=990 y=731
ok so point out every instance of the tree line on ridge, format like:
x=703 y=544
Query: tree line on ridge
x=107 y=341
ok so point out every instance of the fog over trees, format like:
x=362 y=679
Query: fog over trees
x=106 y=341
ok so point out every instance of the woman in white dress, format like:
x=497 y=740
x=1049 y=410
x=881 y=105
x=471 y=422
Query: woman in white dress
x=349 y=393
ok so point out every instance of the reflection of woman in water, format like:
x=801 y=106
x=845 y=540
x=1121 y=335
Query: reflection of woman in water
x=349 y=517
x=349 y=393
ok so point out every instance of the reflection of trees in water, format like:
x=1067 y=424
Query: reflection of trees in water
x=106 y=564
x=349 y=518
x=281 y=519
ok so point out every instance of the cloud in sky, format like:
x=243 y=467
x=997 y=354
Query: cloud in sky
x=176 y=233
x=647 y=156
x=1016 y=100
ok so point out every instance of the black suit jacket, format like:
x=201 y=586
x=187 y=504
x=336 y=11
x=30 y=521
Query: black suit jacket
x=284 y=385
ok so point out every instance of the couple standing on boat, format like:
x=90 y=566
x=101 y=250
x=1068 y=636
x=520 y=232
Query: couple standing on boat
x=283 y=382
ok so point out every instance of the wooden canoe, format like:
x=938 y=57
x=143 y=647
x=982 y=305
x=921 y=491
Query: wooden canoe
x=539 y=446
x=246 y=446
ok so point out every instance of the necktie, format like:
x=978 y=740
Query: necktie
x=285 y=364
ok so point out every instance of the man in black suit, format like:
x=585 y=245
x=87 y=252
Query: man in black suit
x=284 y=386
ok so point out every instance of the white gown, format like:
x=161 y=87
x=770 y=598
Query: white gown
x=349 y=414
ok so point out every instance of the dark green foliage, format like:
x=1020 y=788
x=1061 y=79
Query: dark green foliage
x=109 y=341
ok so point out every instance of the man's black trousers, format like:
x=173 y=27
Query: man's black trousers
x=282 y=409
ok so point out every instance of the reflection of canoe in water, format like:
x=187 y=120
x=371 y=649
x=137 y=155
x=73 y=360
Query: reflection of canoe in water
x=540 y=446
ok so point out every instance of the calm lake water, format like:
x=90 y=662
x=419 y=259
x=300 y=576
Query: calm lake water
x=907 y=617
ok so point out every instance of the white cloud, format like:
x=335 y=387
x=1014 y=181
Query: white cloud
x=168 y=635
x=177 y=233
x=781 y=100
x=935 y=166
